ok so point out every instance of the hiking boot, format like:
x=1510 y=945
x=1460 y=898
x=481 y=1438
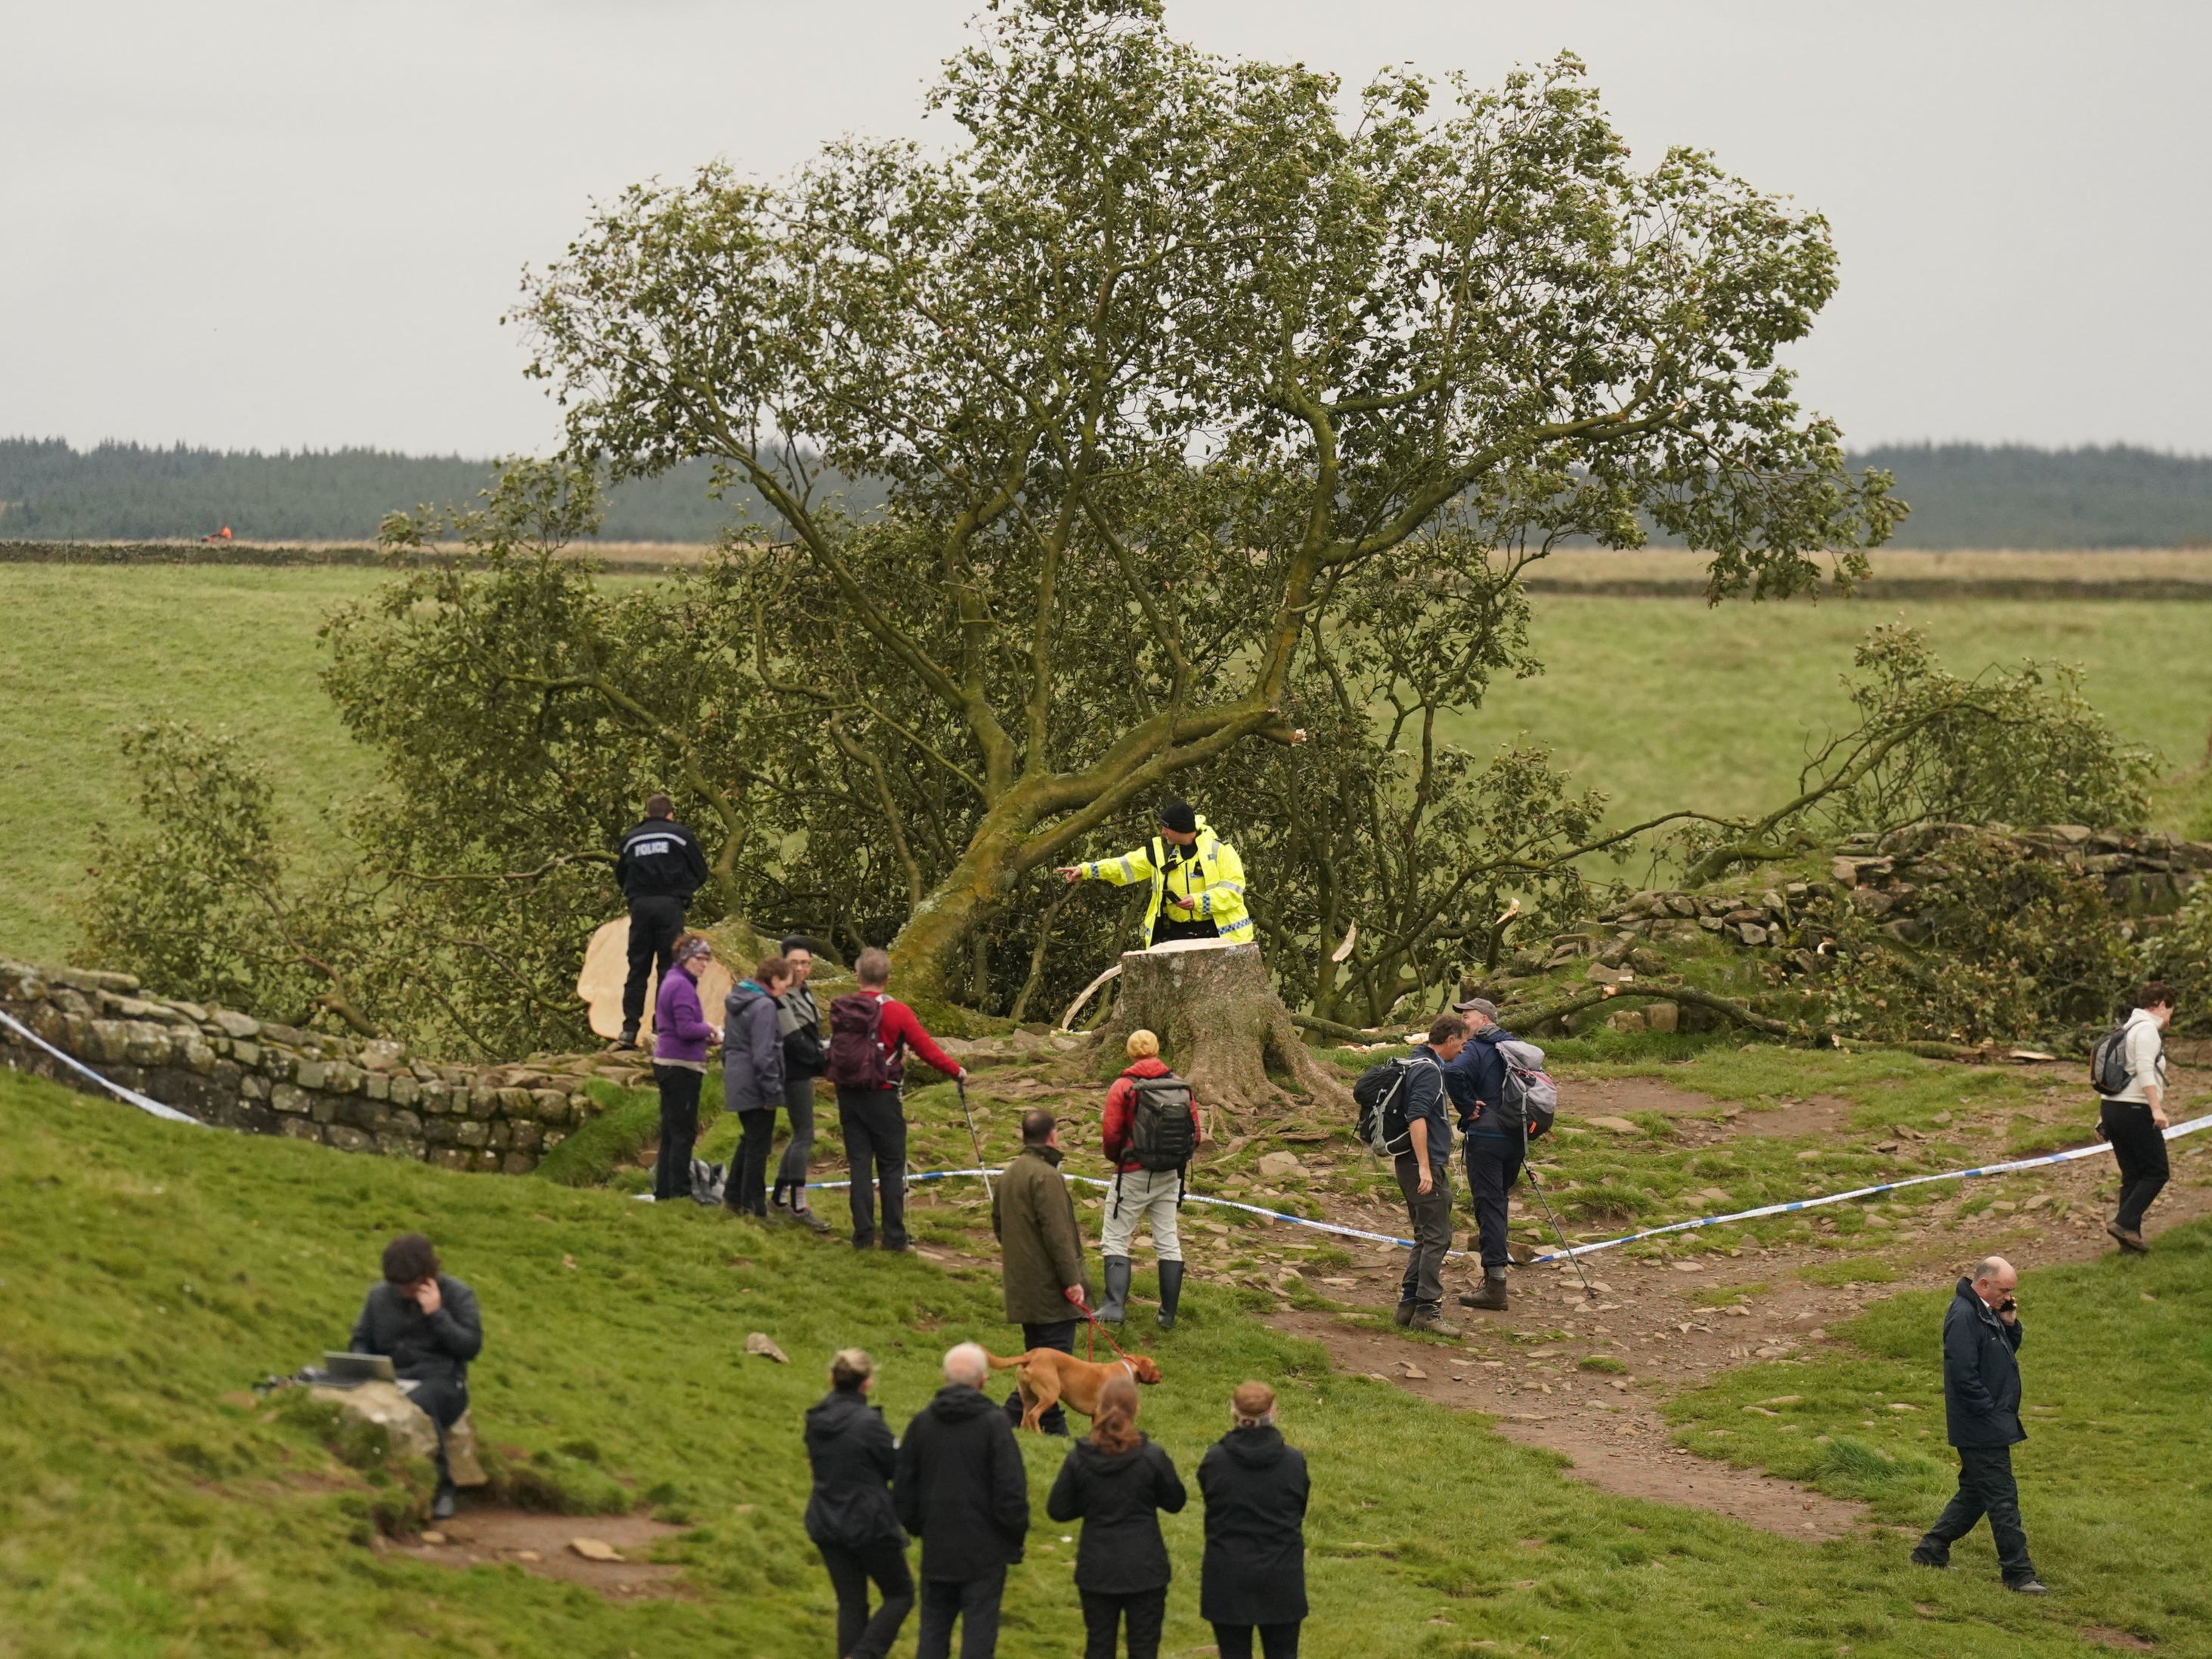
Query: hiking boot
x=447 y=1500
x=626 y=1043
x=807 y=1219
x=2130 y=1240
x=1171 y=1293
x=1922 y=1557
x=2030 y=1587
x=1491 y=1296
x=1113 y=1310
x=1433 y=1324
x=1402 y=1314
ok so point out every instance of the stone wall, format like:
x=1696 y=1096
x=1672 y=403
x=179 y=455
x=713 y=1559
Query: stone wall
x=238 y=1072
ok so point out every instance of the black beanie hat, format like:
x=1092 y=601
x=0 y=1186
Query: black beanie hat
x=1177 y=816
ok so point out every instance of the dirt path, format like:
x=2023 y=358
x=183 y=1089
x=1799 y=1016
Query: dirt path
x=600 y=1552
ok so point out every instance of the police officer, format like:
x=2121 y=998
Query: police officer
x=1198 y=880
x=659 y=869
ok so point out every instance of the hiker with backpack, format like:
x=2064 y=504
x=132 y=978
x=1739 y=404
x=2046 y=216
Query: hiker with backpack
x=1401 y=1117
x=1150 y=1130
x=798 y=1028
x=870 y=1031
x=1490 y=1085
x=2128 y=1071
x=682 y=1036
x=752 y=1080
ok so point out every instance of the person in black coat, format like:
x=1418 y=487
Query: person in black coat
x=658 y=868
x=961 y=1488
x=1981 y=1408
x=1255 y=1574
x=426 y=1324
x=1116 y=1482
x=849 y=1515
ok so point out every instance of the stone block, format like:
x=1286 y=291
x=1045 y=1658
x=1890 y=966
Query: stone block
x=312 y=1074
x=200 y=1057
x=501 y=1136
x=526 y=1137
x=382 y=1054
x=483 y=1103
x=290 y=1099
x=301 y=1129
x=437 y=1098
x=452 y=1157
x=550 y=1105
x=554 y=1138
x=516 y=1103
x=488 y=1163
x=254 y=1087
x=349 y=1139
x=1661 y=1015
x=341 y=1079
x=247 y=1055
x=324 y=1109
x=377 y=1086
x=145 y=1044
x=402 y=1122
x=1751 y=932
x=405 y=1091
x=472 y=1132
x=236 y=1025
x=439 y=1131
x=517 y=1164
x=397 y=1145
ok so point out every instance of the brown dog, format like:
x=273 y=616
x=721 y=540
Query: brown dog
x=1046 y=1375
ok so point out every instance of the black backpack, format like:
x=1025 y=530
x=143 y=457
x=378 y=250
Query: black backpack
x=1380 y=1094
x=2108 y=1063
x=1160 y=1133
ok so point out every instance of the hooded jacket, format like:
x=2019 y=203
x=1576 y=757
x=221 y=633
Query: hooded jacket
x=1118 y=1121
x=1981 y=1377
x=431 y=1347
x=1208 y=870
x=660 y=858
x=680 y=1031
x=1476 y=1078
x=1040 y=1246
x=1255 y=1488
x=1118 y=1497
x=960 y=1486
x=752 y=1054
x=850 y=1449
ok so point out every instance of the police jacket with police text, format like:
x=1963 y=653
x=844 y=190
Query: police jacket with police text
x=660 y=858
x=1981 y=1377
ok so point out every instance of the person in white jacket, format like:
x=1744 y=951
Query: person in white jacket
x=2134 y=1121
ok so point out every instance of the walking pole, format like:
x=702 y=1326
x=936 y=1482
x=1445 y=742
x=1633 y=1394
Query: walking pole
x=1529 y=1169
x=961 y=1083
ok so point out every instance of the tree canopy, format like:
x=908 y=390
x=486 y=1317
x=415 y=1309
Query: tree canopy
x=1166 y=362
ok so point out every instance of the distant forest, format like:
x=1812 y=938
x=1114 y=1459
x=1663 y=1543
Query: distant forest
x=1962 y=495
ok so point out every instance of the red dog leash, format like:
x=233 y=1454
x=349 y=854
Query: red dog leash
x=1090 y=1347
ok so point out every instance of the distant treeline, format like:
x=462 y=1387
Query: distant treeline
x=1962 y=495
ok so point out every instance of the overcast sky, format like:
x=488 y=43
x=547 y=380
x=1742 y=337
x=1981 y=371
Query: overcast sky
x=279 y=225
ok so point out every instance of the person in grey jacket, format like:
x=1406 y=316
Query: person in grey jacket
x=752 y=1080
x=425 y=1321
x=1981 y=1408
x=849 y=1515
x=798 y=1023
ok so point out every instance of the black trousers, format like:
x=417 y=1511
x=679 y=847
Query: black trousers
x=1493 y=1164
x=799 y=1106
x=1276 y=1641
x=1430 y=1216
x=442 y=1400
x=2139 y=1148
x=1145 y=1610
x=1061 y=1334
x=860 y=1635
x=874 y=1125
x=679 y=1130
x=973 y=1603
x=1985 y=1488
x=653 y=925
x=747 y=1190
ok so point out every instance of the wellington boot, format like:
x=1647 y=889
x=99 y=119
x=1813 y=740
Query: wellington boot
x=1114 y=1308
x=1171 y=1292
x=1491 y=1296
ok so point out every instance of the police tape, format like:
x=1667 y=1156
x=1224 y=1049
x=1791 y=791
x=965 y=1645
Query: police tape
x=130 y=1097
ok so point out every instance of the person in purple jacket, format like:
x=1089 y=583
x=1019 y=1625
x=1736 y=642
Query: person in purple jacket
x=752 y=1080
x=681 y=1039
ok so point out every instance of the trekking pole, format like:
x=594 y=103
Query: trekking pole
x=961 y=1083
x=1537 y=1187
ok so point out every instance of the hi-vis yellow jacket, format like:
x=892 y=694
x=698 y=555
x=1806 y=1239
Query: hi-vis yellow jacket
x=1210 y=872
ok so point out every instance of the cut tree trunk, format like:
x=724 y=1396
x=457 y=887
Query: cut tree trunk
x=1221 y=1025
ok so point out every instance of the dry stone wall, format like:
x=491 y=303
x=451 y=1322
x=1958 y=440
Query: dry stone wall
x=238 y=1072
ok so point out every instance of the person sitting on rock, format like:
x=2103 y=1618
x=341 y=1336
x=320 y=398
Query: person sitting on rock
x=426 y=1324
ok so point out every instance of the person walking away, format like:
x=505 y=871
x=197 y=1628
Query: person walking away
x=1255 y=1489
x=1981 y=1408
x=1117 y=1481
x=752 y=1080
x=1041 y=1250
x=960 y=1488
x=681 y=1037
x=2134 y=1118
x=1424 y=1172
x=799 y=1025
x=1151 y=1130
x=658 y=868
x=849 y=1515
x=870 y=1031
x=1476 y=1081
x=1198 y=880
x=425 y=1321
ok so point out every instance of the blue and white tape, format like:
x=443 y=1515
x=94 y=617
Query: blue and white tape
x=130 y=1097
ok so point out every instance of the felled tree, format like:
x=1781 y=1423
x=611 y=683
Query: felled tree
x=1160 y=353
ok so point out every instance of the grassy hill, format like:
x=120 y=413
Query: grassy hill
x=1660 y=703
x=149 y=1274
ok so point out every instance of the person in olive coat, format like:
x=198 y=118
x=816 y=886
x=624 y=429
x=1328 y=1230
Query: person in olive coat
x=1255 y=1573
x=1116 y=1482
x=849 y=1515
x=1981 y=1407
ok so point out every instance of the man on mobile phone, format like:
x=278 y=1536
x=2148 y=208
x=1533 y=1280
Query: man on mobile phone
x=1981 y=1404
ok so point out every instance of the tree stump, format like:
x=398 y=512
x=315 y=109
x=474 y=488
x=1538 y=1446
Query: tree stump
x=1221 y=1025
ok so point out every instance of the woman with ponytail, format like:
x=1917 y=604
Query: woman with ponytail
x=1116 y=1482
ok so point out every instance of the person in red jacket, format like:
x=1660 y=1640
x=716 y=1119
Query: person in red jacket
x=1147 y=1179
x=870 y=1031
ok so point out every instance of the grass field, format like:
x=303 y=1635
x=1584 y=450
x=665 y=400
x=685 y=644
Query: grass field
x=153 y=1272
x=1658 y=703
